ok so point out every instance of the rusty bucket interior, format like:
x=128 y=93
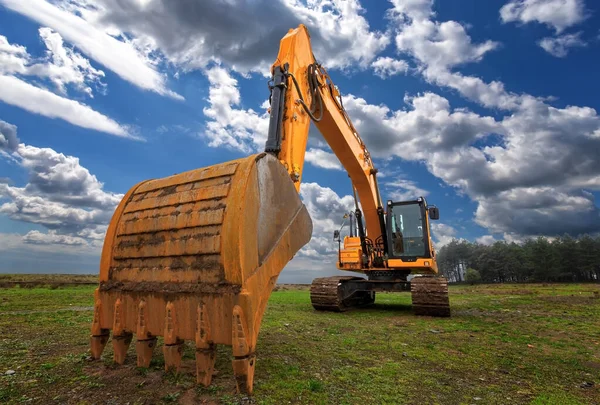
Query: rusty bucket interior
x=194 y=257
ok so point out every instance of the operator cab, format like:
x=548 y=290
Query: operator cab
x=407 y=229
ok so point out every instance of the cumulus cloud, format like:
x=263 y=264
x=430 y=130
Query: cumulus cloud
x=239 y=129
x=439 y=47
x=62 y=67
x=119 y=56
x=52 y=238
x=326 y=208
x=442 y=234
x=489 y=94
x=486 y=240
x=242 y=35
x=8 y=137
x=533 y=149
x=323 y=159
x=537 y=148
x=387 y=132
x=385 y=67
x=403 y=189
x=63 y=179
x=542 y=210
x=560 y=46
x=445 y=44
x=24 y=253
x=61 y=195
x=557 y=14
x=65 y=66
x=12 y=57
x=39 y=101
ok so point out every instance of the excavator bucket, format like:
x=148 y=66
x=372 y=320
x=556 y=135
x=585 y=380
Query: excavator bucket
x=194 y=257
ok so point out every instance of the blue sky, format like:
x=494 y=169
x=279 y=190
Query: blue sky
x=489 y=109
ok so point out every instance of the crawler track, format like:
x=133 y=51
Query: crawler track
x=329 y=294
x=430 y=296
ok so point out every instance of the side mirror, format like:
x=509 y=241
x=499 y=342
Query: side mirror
x=336 y=235
x=434 y=213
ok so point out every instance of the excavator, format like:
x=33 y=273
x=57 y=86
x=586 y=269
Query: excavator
x=195 y=256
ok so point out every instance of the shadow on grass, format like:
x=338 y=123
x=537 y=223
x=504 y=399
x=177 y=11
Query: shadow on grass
x=381 y=307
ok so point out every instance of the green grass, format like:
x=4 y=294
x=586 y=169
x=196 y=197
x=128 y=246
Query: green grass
x=505 y=344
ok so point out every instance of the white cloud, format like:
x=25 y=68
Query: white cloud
x=62 y=196
x=534 y=149
x=52 y=238
x=9 y=142
x=340 y=35
x=491 y=95
x=438 y=47
x=557 y=14
x=442 y=234
x=540 y=210
x=62 y=66
x=63 y=178
x=322 y=159
x=414 y=9
x=38 y=101
x=240 y=35
x=326 y=208
x=537 y=148
x=403 y=190
x=12 y=57
x=385 y=67
x=486 y=240
x=66 y=66
x=118 y=56
x=239 y=129
x=37 y=247
x=559 y=46
x=387 y=133
x=443 y=45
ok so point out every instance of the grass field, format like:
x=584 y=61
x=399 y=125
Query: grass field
x=504 y=344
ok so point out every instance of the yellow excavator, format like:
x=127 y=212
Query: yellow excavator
x=195 y=256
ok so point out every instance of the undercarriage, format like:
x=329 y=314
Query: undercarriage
x=341 y=293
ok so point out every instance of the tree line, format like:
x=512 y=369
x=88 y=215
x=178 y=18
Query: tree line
x=563 y=259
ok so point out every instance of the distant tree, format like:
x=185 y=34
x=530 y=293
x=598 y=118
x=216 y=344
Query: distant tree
x=564 y=259
x=472 y=276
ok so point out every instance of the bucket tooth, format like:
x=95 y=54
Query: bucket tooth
x=195 y=257
x=205 y=365
x=173 y=347
x=240 y=333
x=145 y=342
x=121 y=338
x=243 y=370
x=100 y=335
x=144 y=349
x=206 y=350
x=173 y=354
x=98 y=343
x=244 y=361
x=120 y=346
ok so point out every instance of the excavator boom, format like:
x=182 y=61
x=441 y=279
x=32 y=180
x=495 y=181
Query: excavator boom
x=303 y=91
x=195 y=256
